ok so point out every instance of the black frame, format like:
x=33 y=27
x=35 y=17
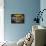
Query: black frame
x=17 y=18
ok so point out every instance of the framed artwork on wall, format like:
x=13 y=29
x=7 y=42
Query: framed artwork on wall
x=17 y=18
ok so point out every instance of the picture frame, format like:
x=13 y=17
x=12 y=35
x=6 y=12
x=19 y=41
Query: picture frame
x=17 y=18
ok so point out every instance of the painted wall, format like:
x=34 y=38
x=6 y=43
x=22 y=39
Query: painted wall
x=43 y=6
x=13 y=32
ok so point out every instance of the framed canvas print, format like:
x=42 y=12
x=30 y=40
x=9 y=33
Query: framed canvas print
x=17 y=18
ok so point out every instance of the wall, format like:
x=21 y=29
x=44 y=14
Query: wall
x=43 y=6
x=13 y=32
x=1 y=21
